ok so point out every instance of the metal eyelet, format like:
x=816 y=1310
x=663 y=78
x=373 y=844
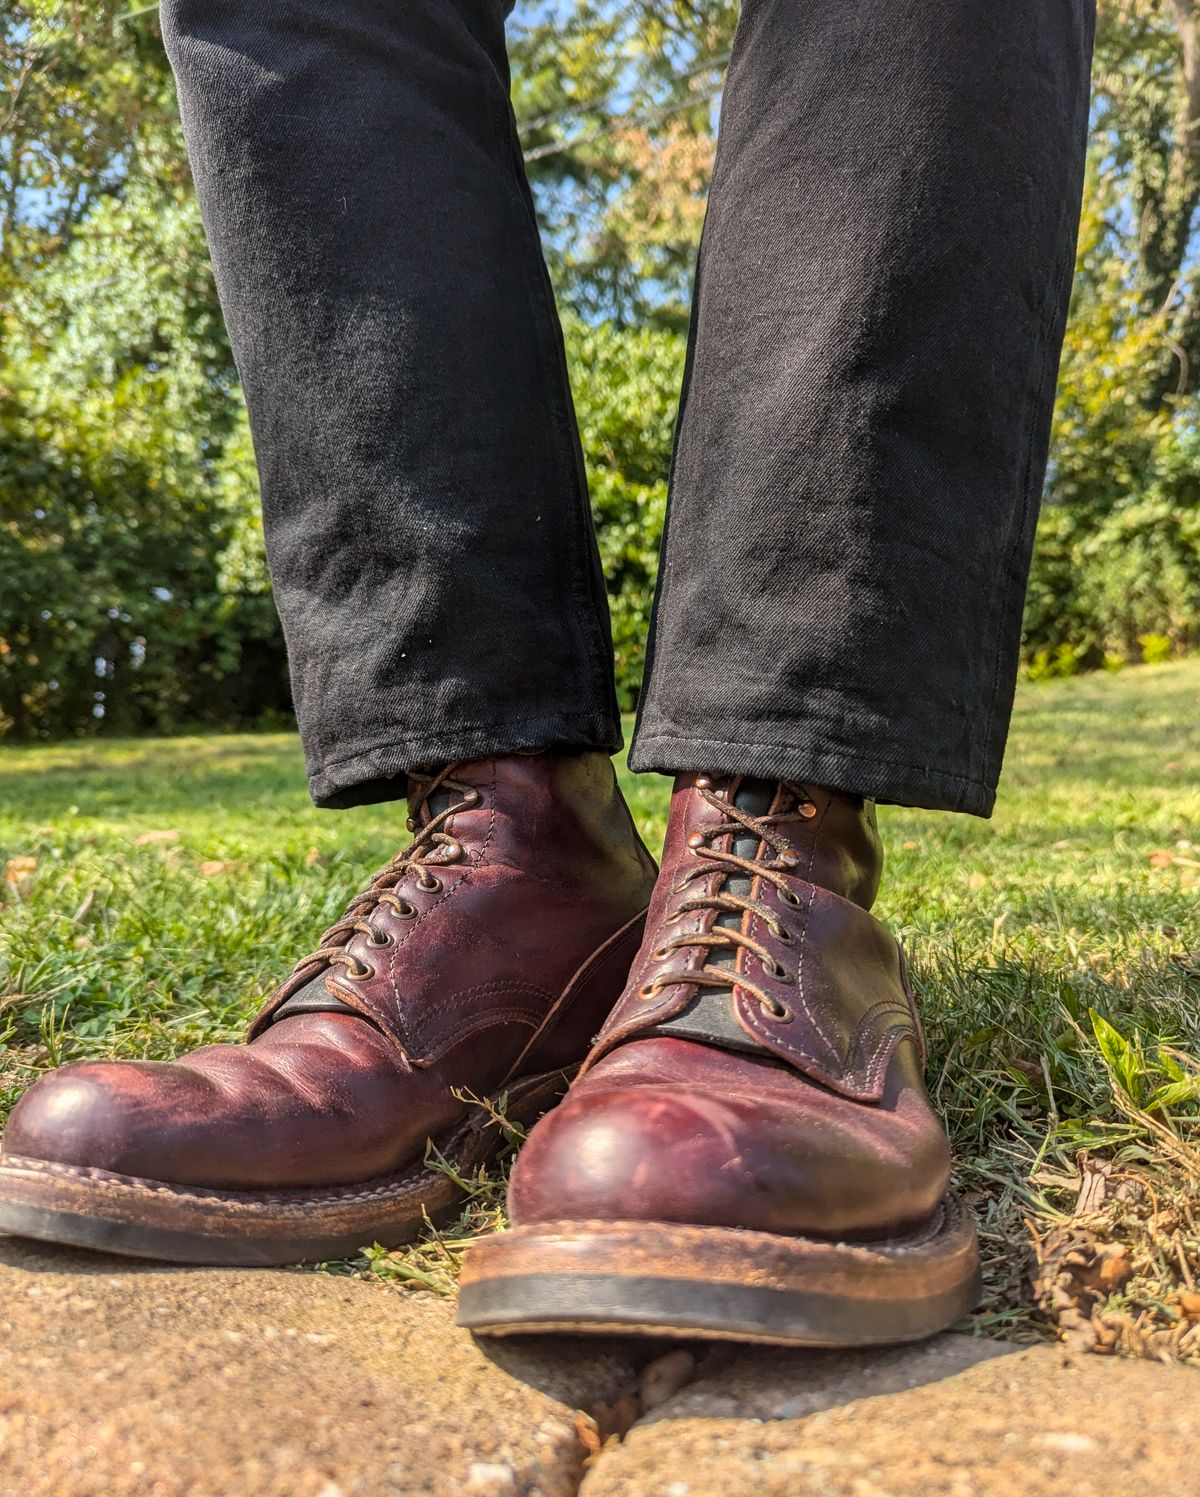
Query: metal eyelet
x=363 y=971
x=661 y=954
x=453 y=851
x=778 y=972
x=648 y=991
x=696 y=841
x=434 y=886
x=781 y=933
x=793 y=899
x=780 y=1012
x=384 y=938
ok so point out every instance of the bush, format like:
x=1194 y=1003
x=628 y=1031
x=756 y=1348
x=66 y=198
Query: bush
x=626 y=392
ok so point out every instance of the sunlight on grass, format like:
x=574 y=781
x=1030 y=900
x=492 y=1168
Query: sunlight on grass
x=156 y=890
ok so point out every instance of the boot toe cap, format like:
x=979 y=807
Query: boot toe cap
x=800 y=1162
x=84 y=1115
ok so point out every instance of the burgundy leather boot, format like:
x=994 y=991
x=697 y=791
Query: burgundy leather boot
x=481 y=961
x=749 y=1151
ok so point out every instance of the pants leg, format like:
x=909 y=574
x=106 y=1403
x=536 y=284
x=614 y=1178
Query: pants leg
x=879 y=311
x=378 y=262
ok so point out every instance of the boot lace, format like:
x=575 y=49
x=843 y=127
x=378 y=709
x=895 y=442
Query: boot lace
x=729 y=864
x=431 y=848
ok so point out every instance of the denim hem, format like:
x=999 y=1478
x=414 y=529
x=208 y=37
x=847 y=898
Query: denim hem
x=895 y=784
x=379 y=772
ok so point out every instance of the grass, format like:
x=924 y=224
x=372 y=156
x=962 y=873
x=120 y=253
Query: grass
x=157 y=889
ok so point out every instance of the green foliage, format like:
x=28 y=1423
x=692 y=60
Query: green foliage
x=626 y=391
x=118 y=607
x=1118 y=547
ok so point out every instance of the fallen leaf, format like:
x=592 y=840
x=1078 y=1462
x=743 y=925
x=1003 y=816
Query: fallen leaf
x=312 y=857
x=663 y=1378
x=1189 y=1303
x=18 y=876
x=152 y=839
x=211 y=867
x=1161 y=857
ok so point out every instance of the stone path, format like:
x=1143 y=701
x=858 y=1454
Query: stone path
x=117 y=1378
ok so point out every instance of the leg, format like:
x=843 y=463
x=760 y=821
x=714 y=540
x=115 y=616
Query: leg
x=434 y=564
x=863 y=436
x=377 y=255
x=750 y=1151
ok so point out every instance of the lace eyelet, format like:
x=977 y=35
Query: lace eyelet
x=780 y=1013
x=361 y=973
x=789 y=898
x=783 y=935
x=776 y=971
x=661 y=954
x=453 y=851
x=384 y=939
x=434 y=886
x=648 y=991
x=696 y=841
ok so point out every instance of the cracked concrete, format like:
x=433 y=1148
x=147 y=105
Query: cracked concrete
x=122 y=1378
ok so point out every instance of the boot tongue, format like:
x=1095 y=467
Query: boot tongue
x=710 y=1016
x=756 y=797
x=440 y=800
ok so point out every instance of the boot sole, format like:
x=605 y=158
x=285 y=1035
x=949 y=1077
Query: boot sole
x=142 y=1218
x=662 y=1279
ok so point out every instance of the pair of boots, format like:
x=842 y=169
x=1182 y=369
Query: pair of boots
x=746 y=1148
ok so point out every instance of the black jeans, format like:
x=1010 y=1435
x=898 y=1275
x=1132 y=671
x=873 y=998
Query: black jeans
x=862 y=438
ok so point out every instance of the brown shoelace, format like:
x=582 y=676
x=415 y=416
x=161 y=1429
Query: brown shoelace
x=730 y=864
x=431 y=848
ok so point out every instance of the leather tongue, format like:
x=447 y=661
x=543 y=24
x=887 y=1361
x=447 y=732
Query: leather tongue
x=313 y=998
x=710 y=1016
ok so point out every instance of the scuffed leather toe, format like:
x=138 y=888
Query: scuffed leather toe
x=271 y=1111
x=668 y=1130
x=94 y=1114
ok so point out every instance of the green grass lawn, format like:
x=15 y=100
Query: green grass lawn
x=157 y=889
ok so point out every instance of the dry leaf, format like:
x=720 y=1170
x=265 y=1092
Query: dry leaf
x=152 y=839
x=211 y=867
x=1161 y=857
x=312 y=857
x=663 y=1378
x=18 y=876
